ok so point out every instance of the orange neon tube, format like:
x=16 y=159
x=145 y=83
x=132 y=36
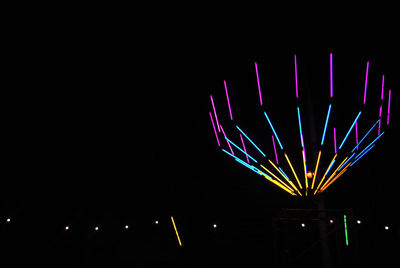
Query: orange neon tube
x=323 y=178
x=316 y=169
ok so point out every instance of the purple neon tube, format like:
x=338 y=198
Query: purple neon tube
x=244 y=148
x=366 y=82
x=276 y=155
x=215 y=131
x=227 y=98
x=223 y=132
x=215 y=113
x=331 y=74
x=334 y=139
x=258 y=83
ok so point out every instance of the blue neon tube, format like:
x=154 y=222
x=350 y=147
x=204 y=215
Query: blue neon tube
x=241 y=161
x=250 y=141
x=348 y=132
x=330 y=167
x=301 y=131
x=365 y=135
x=344 y=164
x=370 y=144
x=373 y=145
x=276 y=136
x=240 y=149
x=326 y=124
x=284 y=174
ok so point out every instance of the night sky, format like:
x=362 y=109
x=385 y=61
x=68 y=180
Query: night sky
x=94 y=138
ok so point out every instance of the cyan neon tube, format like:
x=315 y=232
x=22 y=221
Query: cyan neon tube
x=240 y=149
x=373 y=145
x=300 y=129
x=284 y=174
x=365 y=136
x=326 y=124
x=348 y=132
x=344 y=164
x=276 y=136
x=370 y=144
x=250 y=141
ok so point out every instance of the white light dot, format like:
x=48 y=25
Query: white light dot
x=358 y=222
x=303 y=225
x=214 y=225
x=156 y=222
x=8 y=219
x=386 y=227
x=330 y=221
x=126 y=227
x=67 y=227
x=96 y=228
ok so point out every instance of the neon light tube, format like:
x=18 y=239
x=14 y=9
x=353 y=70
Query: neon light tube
x=227 y=98
x=240 y=161
x=348 y=132
x=276 y=155
x=305 y=171
x=379 y=127
x=258 y=83
x=366 y=82
x=345 y=231
x=301 y=131
x=334 y=139
x=176 y=231
x=316 y=169
x=240 y=149
x=294 y=173
x=276 y=136
x=373 y=145
x=273 y=175
x=286 y=176
x=323 y=178
x=326 y=124
x=244 y=148
x=331 y=74
x=335 y=178
x=215 y=113
x=356 y=136
x=370 y=144
x=388 y=113
x=346 y=162
x=250 y=141
x=215 y=131
x=223 y=132
x=277 y=184
x=326 y=173
x=383 y=82
x=277 y=169
x=333 y=174
x=365 y=135
x=295 y=75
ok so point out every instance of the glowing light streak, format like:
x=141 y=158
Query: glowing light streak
x=346 y=162
x=366 y=82
x=334 y=140
x=276 y=155
x=258 y=83
x=240 y=149
x=348 y=132
x=370 y=144
x=300 y=129
x=294 y=173
x=361 y=155
x=383 y=83
x=305 y=171
x=326 y=172
x=365 y=135
x=227 y=98
x=277 y=183
x=316 y=170
x=333 y=174
x=215 y=113
x=331 y=74
x=388 y=113
x=215 y=131
x=345 y=230
x=335 y=178
x=284 y=174
x=295 y=75
x=244 y=148
x=273 y=175
x=250 y=141
x=326 y=124
x=241 y=161
x=229 y=145
x=276 y=135
x=176 y=231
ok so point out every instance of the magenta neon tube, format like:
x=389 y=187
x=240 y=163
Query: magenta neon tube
x=383 y=82
x=276 y=155
x=366 y=82
x=223 y=132
x=215 y=131
x=331 y=74
x=215 y=113
x=295 y=75
x=227 y=98
x=388 y=114
x=356 y=135
x=258 y=83
x=334 y=139
x=244 y=148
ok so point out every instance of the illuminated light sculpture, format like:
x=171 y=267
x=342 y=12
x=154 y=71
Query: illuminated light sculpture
x=345 y=230
x=314 y=182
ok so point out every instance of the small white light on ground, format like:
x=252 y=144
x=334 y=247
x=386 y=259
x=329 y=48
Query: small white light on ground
x=96 y=228
x=126 y=227
x=331 y=221
x=358 y=222
x=8 y=219
x=214 y=226
x=303 y=225
x=156 y=222
x=67 y=228
x=386 y=227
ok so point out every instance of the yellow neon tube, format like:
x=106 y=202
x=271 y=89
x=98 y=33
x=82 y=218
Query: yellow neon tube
x=334 y=173
x=337 y=177
x=325 y=173
x=176 y=231
x=291 y=183
x=277 y=184
x=273 y=175
x=316 y=170
x=305 y=171
x=294 y=173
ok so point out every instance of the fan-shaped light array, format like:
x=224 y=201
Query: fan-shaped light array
x=313 y=181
